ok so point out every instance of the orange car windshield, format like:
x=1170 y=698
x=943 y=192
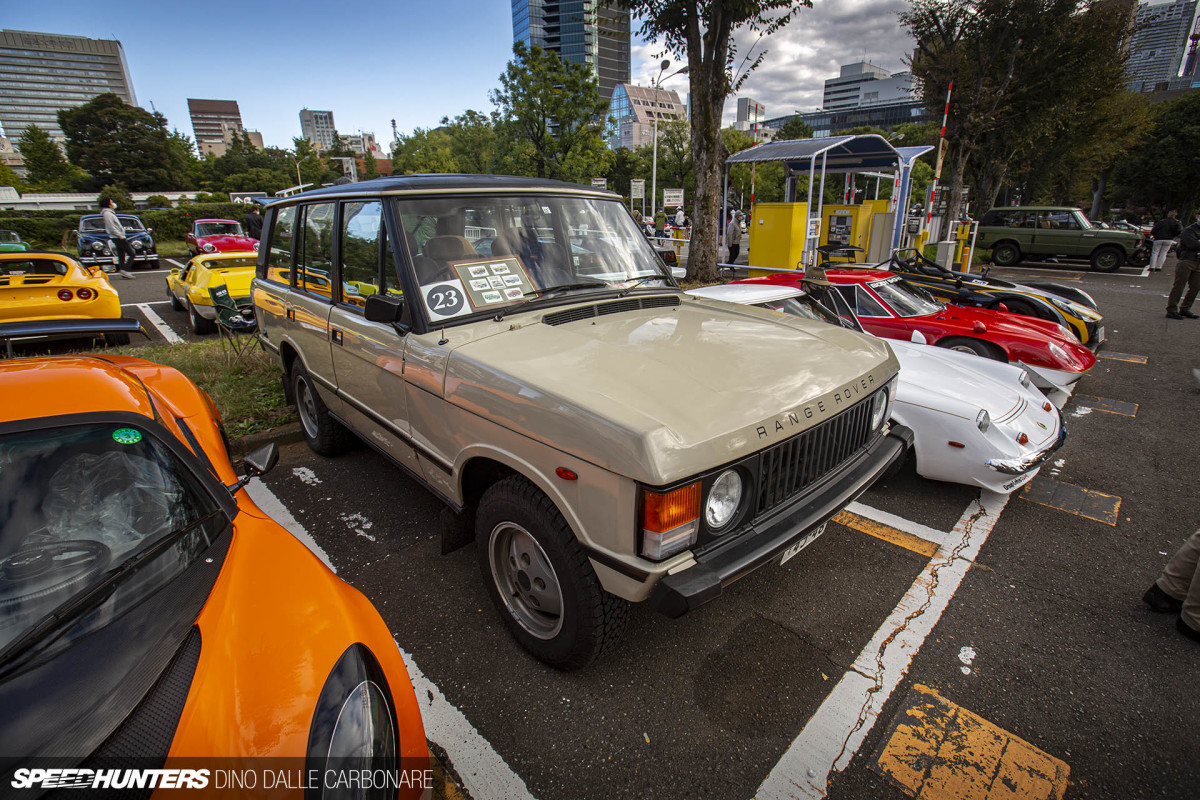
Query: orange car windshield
x=78 y=503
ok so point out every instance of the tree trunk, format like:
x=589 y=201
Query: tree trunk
x=707 y=53
x=1099 y=184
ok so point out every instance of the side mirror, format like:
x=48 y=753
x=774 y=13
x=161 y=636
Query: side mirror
x=918 y=338
x=381 y=308
x=261 y=460
x=174 y=270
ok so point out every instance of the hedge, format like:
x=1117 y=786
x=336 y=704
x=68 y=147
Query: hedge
x=44 y=228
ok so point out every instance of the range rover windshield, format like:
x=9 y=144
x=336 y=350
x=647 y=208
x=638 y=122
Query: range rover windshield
x=483 y=254
x=93 y=519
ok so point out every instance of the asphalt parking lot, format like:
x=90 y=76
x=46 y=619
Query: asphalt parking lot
x=932 y=643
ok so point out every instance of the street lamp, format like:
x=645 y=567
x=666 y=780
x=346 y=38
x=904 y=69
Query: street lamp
x=657 y=84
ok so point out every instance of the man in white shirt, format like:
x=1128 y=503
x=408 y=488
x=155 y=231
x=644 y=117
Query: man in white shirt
x=116 y=235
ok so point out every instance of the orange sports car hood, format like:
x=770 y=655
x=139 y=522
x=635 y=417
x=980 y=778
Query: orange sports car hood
x=95 y=384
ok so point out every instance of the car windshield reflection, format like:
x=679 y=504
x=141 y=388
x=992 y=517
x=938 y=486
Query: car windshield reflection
x=903 y=299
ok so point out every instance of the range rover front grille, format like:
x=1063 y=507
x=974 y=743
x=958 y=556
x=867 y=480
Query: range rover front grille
x=792 y=466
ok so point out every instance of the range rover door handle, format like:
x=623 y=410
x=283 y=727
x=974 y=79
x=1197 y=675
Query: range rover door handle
x=290 y=313
x=335 y=336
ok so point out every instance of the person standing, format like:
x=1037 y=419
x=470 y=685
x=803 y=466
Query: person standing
x=733 y=236
x=660 y=222
x=116 y=236
x=1164 y=233
x=1177 y=590
x=680 y=217
x=253 y=222
x=1187 y=273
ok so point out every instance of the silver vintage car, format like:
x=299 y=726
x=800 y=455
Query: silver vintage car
x=604 y=437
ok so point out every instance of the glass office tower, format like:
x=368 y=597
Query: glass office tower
x=580 y=31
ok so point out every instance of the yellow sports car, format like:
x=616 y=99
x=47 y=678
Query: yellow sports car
x=187 y=288
x=39 y=286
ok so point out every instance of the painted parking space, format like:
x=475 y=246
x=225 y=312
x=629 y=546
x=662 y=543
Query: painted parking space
x=1110 y=355
x=1075 y=500
x=1107 y=405
x=937 y=750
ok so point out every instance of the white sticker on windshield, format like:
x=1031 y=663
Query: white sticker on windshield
x=445 y=300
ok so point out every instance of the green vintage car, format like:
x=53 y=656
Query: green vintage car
x=10 y=242
x=1034 y=233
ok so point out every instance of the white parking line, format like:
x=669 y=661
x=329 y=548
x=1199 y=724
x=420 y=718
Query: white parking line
x=176 y=263
x=151 y=303
x=833 y=735
x=171 y=336
x=940 y=538
x=484 y=773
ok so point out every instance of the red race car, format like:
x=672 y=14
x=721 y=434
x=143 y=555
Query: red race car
x=219 y=236
x=890 y=307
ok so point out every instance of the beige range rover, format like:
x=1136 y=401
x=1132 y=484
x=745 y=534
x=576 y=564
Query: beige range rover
x=517 y=347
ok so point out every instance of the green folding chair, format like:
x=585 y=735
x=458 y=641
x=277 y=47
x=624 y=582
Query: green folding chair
x=235 y=322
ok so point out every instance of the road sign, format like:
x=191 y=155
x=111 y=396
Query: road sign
x=600 y=183
x=637 y=189
x=672 y=198
x=245 y=197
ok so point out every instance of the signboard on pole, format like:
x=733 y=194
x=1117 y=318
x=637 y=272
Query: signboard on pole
x=637 y=189
x=672 y=198
x=600 y=183
x=245 y=197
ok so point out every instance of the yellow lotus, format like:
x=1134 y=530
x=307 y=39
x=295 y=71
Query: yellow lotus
x=40 y=285
x=187 y=288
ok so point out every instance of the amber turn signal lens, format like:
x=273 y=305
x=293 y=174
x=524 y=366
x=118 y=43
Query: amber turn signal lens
x=667 y=511
x=1046 y=406
x=1022 y=438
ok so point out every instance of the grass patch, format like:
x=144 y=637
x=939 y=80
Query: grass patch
x=247 y=394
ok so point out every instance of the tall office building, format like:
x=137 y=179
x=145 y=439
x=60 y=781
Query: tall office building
x=864 y=84
x=751 y=115
x=318 y=127
x=214 y=121
x=1157 y=49
x=582 y=32
x=41 y=73
x=634 y=110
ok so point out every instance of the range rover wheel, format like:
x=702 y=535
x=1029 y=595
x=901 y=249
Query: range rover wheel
x=175 y=304
x=324 y=434
x=540 y=578
x=979 y=347
x=200 y=325
x=1006 y=254
x=1108 y=259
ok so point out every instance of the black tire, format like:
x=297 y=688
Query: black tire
x=200 y=325
x=1015 y=305
x=1108 y=259
x=1005 y=254
x=324 y=434
x=175 y=304
x=516 y=518
x=964 y=344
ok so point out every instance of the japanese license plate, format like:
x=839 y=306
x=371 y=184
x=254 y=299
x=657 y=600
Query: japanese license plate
x=804 y=542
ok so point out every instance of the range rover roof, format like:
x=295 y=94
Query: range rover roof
x=447 y=183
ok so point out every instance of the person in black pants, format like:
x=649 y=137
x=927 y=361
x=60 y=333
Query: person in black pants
x=253 y=223
x=116 y=235
x=1187 y=273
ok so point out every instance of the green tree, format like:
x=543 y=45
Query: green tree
x=157 y=201
x=424 y=151
x=47 y=170
x=119 y=195
x=1164 y=171
x=370 y=168
x=764 y=181
x=1024 y=72
x=311 y=168
x=472 y=141
x=625 y=166
x=795 y=128
x=119 y=143
x=550 y=117
x=702 y=33
x=11 y=179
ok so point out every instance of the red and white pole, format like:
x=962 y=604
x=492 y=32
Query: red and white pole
x=937 y=173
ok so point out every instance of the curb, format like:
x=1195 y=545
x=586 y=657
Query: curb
x=284 y=434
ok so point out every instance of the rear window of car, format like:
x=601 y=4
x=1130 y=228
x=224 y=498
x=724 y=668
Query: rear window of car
x=33 y=266
x=283 y=241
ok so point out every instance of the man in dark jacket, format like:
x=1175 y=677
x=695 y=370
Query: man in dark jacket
x=1164 y=232
x=1187 y=273
x=253 y=223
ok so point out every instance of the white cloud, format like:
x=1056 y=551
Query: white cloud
x=801 y=56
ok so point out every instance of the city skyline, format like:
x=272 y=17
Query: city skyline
x=399 y=71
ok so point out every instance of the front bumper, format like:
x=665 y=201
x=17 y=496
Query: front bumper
x=105 y=258
x=684 y=591
x=1046 y=378
x=1019 y=466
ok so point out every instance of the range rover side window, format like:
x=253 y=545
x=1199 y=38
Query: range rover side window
x=362 y=235
x=283 y=240
x=314 y=268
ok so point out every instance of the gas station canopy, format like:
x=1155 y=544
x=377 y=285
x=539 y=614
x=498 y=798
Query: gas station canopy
x=858 y=153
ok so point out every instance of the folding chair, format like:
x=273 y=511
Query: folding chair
x=235 y=322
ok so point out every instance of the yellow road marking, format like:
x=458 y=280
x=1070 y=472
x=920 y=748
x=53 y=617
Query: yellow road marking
x=937 y=750
x=888 y=534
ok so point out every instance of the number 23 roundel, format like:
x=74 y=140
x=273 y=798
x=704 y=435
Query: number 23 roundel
x=445 y=300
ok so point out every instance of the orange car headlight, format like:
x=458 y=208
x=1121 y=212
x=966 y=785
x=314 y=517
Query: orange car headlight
x=354 y=724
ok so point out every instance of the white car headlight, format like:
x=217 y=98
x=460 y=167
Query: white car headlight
x=256 y=247
x=1060 y=354
x=1024 y=379
x=879 y=407
x=97 y=246
x=136 y=244
x=983 y=420
x=353 y=725
x=208 y=247
x=1065 y=332
x=724 y=499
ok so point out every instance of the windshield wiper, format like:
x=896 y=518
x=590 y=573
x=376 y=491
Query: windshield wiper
x=545 y=294
x=636 y=282
x=90 y=597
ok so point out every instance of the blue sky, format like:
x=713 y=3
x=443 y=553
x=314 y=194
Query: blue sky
x=412 y=61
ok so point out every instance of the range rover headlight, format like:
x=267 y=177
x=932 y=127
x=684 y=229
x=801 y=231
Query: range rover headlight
x=879 y=407
x=353 y=726
x=724 y=500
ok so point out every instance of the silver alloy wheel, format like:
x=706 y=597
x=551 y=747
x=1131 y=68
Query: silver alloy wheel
x=307 y=406
x=526 y=580
x=962 y=348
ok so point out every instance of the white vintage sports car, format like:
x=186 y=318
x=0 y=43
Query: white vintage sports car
x=975 y=421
